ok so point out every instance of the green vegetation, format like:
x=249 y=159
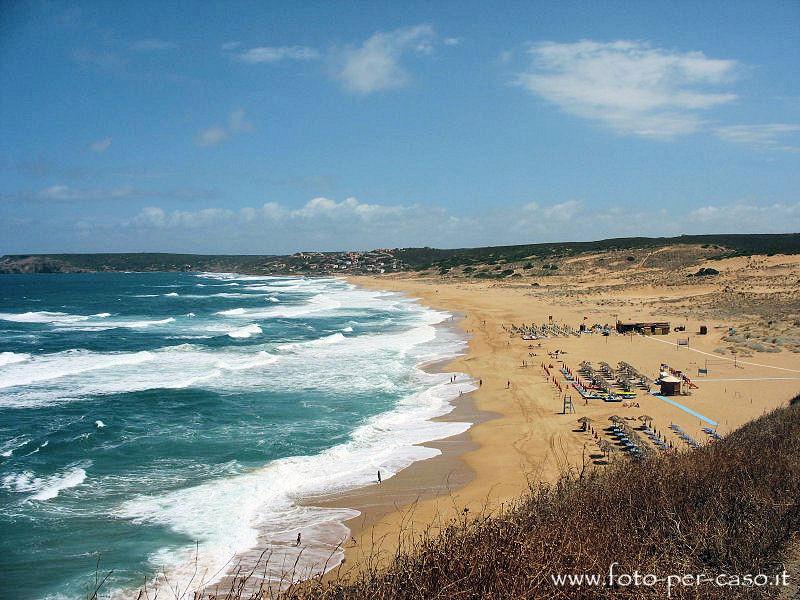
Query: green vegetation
x=728 y=244
x=402 y=259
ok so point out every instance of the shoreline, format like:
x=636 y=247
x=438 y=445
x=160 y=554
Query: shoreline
x=422 y=479
x=518 y=434
x=526 y=438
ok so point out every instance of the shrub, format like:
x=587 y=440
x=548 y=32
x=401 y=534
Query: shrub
x=732 y=506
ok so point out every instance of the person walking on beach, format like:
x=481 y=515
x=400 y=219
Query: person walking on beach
x=298 y=539
x=379 y=477
x=480 y=382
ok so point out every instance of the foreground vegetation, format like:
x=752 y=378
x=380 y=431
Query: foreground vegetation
x=731 y=509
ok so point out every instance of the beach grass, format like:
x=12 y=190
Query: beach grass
x=730 y=508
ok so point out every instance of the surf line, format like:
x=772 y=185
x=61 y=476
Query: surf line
x=686 y=409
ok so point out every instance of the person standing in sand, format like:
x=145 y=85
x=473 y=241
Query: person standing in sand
x=379 y=477
x=298 y=539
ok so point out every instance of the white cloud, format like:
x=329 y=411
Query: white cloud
x=748 y=217
x=376 y=64
x=451 y=41
x=629 y=86
x=562 y=212
x=212 y=136
x=101 y=145
x=329 y=224
x=153 y=45
x=66 y=193
x=273 y=54
x=762 y=137
x=154 y=216
x=350 y=207
x=237 y=123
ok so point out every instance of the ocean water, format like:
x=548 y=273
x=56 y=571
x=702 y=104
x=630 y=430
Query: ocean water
x=152 y=422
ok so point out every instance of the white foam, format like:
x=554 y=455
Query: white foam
x=9 y=358
x=64 y=364
x=266 y=497
x=327 y=340
x=245 y=332
x=171 y=295
x=99 y=424
x=233 y=312
x=42 y=317
x=261 y=359
x=352 y=364
x=316 y=304
x=8 y=447
x=72 y=375
x=107 y=324
x=46 y=488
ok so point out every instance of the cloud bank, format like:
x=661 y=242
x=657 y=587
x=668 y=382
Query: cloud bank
x=328 y=224
x=629 y=86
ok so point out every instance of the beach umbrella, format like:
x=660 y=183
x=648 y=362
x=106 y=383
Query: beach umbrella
x=584 y=421
x=615 y=419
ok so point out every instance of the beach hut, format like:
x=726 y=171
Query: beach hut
x=670 y=385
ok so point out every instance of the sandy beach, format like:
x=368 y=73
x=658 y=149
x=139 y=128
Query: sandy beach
x=520 y=433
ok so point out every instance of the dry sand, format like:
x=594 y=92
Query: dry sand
x=527 y=438
x=520 y=434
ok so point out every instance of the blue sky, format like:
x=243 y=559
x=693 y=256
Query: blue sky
x=265 y=127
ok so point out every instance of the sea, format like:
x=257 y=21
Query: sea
x=156 y=426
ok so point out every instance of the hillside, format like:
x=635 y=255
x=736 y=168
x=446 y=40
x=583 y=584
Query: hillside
x=731 y=507
x=474 y=262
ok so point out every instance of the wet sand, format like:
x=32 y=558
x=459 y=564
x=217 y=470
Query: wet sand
x=520 y=434
x=528 y=439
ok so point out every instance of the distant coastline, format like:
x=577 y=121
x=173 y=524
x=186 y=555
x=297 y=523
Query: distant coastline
x=394 y=260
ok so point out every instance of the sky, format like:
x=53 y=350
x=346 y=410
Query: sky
x=272 y=127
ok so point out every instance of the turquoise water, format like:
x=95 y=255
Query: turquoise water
x=148 y=419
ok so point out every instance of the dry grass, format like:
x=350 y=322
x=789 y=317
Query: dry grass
x=730 y=507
